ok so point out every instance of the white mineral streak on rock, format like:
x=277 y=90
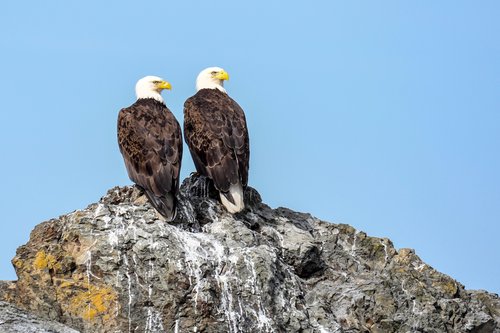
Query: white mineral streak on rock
x=420 y=267
x=281 y=240
x=122 y=210
x=101 y=210
x=89 y=267
x=212 y=214
x=264 y=322
x=415 y=308
x=322 y=329
x=263 y=270
x=419 y=313
x=176 y=328
x=188 y=211
x=194 y=256
x=130 y=294
x=353 y=247
x=251 y=281
x=352 y=252
x=118 y=283
x=106 y=220
x=154 y=322
x=200 y=249
x=121 y=230
x=113 y=238
x=386 y=258
x=224 y=280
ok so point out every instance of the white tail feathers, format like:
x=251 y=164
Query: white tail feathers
x=236 y=192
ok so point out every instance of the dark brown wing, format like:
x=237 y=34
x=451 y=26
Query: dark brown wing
x=150 y=141
x=216 y=132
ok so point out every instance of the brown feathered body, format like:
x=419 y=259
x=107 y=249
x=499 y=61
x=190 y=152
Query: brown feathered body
x=150 y=141
x=215 y=131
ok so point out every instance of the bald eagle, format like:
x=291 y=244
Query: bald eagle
x=150 y=141
x=215 y=131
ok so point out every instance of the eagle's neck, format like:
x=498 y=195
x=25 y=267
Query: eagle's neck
x=149 y=94
x=209 y=83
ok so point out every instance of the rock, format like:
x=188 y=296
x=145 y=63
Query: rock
x=14 y=320
x=116 y=267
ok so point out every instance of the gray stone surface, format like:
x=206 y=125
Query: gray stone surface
x=14 y=320
x=115 y=267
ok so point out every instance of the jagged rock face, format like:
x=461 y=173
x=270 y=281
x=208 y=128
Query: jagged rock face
x=115 y=267
x=14 y=320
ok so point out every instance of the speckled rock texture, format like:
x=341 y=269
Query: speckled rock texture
x=117 y=267
x=14 y=320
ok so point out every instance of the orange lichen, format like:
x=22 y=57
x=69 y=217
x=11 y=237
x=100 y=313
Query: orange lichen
x=93 y=302
x=44 y=260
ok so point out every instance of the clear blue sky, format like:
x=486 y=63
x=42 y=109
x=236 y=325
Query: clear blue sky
x=384 y=115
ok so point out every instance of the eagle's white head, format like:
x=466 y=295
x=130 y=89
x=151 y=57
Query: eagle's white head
x=212 y=78
x=151 y=87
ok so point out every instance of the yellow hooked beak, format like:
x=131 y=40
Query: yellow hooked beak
x=222 y=75
x=164 y=85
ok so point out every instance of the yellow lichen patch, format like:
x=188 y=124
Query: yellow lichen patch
x=66 y=284
x=17 y=262
x=93 y=302
x=449 y=287
x=44 y=260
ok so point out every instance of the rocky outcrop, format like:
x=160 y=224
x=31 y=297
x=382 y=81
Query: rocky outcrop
x=14 y=320
x=116 y=267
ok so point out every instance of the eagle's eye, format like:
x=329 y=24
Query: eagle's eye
x=156 y=82
x=214 y=72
